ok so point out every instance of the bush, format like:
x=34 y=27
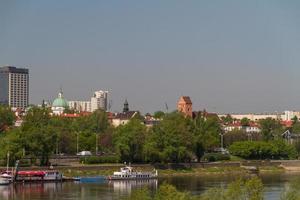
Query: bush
x=212 y=157
x=101 y=159
x=25 y=163
x=277 y=149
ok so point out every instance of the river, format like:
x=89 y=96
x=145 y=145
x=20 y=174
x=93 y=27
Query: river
x=274 y=185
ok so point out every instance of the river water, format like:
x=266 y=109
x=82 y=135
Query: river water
x=274 y=186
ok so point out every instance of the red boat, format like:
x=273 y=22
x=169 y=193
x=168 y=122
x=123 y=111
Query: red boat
x=37 y=175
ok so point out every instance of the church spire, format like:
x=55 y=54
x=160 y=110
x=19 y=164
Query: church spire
x=126 y=106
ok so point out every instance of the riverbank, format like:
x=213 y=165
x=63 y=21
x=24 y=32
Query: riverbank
x=181 y=169
x=212 y=171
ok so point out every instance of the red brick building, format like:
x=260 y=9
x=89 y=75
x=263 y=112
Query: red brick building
x=184 y=105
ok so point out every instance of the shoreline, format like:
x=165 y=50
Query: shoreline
x=181 y=169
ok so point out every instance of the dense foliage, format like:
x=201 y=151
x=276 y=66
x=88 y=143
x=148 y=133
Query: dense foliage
x=277 y=149
x=101 y=159
x=212 y=157
x=42 y=135
x=271 y=129
x=175 y=139
x=7 y=117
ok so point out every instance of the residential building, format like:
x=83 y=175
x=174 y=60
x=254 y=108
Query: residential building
x=80 y=106
x=251 y=128
x=14 y=86
x=124 y=117
x=184 y=106
x=290 y=115
x=151 y=121
x=253 y=117
x=99 y=100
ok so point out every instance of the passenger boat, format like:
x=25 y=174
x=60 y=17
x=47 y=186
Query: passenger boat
x=38 y=175
x=127 y=173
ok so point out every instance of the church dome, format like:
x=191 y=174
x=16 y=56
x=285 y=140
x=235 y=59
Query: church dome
x=60 y=101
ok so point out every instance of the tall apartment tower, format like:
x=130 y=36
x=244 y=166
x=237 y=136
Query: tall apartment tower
x=99 y=100
x=14 y=86
x=184 y=106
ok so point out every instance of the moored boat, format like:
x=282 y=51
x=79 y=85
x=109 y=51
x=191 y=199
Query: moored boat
x=95 y=179
x=127 y=173
x=36 y=175
x=5 y=181
x=51 y=175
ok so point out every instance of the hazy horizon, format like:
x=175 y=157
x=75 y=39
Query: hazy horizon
x=228 y=56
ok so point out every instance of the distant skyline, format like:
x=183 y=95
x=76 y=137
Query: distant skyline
x=228 y=56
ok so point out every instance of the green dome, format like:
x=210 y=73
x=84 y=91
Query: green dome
x=60 y=102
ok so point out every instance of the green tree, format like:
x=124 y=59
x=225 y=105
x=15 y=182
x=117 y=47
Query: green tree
x=171 y=140
x=271 y=128
x=277 y=149
x=206 y=132
x=140 y=194
x=169 y=192
x=296 y=128
x=40 y=142
x=234 y=136
x=292 y=192
x=245 y=121
x=129 y=140
x=159 y=114
x=66 y=135
x=11 y=143
x=91 y=128
x=7 y=117
x=227 y=119
x=38 y=137
x=295 y=119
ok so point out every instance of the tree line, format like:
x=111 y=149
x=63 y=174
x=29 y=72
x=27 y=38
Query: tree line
x=175 y=139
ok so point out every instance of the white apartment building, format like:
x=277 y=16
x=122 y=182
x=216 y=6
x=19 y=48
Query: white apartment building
x=253 y=117
x=99 y=100
x=289 y=115
x=80 y=106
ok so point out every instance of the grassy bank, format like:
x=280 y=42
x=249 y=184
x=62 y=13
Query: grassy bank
x=220 y=171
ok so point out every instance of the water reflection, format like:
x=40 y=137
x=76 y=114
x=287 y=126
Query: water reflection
x=25 y=191
x=274 y=185
x=126 y=186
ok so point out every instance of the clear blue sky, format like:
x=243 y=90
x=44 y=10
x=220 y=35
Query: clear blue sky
x=229 y=56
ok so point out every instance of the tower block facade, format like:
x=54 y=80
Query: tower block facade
x=184 y=106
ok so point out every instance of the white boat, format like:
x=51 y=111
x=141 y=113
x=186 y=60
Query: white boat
x=127 y=173
x=5 y=181
x=6 y=175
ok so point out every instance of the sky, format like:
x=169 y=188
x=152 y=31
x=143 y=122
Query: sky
x=228 y=56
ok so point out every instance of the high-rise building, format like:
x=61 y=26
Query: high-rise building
x=99 y=100
x=14 y=86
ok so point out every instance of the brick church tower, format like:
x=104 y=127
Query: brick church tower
x=184 y=105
